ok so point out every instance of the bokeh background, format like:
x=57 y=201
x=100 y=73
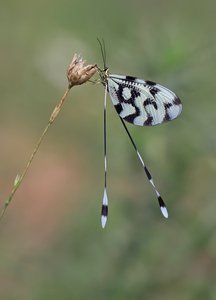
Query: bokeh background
x=51 y=242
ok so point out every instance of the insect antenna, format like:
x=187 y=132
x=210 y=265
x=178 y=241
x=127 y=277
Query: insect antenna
x=103 y=51
x=162 y=205
x=104 y=209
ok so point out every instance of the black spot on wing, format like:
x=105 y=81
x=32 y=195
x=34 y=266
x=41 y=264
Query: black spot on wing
x=167 y=116
x=149 y=120
x=153 y=90
x=119 y=92
x=149 y=101
x=155 y=105
x=134 y=93
x=177 y=101
x=167 y=105
x=118 y=108
x=148 y=173
x=130 y=118
x=150 y=83
x=161 y=202
x=104 y=210
x=130 y=78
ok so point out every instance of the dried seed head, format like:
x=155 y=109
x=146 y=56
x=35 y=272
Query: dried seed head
x=78 y=73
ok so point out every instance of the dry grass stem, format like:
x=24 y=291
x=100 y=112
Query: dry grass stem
x=77 y=74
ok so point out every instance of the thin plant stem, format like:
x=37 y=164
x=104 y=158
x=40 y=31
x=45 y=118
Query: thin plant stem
x=20 y=178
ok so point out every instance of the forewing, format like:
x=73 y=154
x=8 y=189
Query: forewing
x=143 y=103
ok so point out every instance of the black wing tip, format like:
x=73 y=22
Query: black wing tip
x=163 y=207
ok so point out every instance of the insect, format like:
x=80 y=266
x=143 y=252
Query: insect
x=140 y=102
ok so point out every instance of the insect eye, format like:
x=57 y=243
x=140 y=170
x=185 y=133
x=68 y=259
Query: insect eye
x=106 y=71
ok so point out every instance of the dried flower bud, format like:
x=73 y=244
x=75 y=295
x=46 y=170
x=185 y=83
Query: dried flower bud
x=78 y=73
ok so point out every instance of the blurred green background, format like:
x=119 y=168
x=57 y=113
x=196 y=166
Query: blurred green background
x=51 y=242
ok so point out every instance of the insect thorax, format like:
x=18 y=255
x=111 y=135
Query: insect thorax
x=104 y=74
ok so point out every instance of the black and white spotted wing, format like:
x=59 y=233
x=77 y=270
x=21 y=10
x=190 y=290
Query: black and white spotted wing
x=143 y=103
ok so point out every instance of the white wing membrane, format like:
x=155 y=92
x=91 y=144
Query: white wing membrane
x=143 y=103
